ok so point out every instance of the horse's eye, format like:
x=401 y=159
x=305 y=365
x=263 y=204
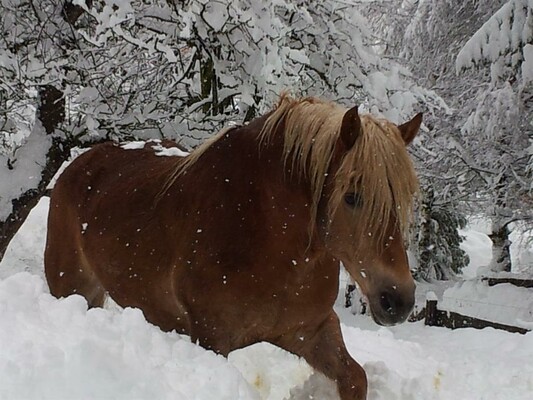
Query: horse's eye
x=353 y=200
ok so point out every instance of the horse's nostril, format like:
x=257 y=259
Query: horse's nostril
x=389 y=303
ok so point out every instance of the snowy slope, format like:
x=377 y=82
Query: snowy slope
x=57 y=349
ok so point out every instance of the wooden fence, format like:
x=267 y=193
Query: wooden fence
x=527 y=283
x=432 y=316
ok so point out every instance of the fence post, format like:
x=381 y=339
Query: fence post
x=431 y=313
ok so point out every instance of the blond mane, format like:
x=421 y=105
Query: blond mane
x=377 y=167
x=380 y=170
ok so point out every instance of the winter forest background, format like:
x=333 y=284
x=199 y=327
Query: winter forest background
x=73 y=73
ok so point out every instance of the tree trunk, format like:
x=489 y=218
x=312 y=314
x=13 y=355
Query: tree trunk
x=502 y=215
x=207 y=76
x=72 y=12
x=210 y=85
x=501 y=249
x=51 y=112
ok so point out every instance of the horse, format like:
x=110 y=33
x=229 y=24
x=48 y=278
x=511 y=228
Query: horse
x=241 y=240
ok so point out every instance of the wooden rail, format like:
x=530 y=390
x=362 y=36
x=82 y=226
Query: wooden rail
x=448 y=319
x=432 y=316
x=527 y=283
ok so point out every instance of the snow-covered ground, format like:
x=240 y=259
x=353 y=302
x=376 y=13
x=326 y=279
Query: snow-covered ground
x=57 y=349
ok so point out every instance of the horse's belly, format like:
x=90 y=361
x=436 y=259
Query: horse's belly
x=249 y=306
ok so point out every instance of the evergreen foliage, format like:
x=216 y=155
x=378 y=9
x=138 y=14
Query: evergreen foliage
x=438 y=251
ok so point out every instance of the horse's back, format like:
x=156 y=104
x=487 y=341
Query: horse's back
x=101 y=212
x=109 y=179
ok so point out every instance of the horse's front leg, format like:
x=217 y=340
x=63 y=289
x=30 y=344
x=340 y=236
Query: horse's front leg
x=324 y=350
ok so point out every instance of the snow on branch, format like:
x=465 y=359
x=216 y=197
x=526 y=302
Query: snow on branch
x=505 y=40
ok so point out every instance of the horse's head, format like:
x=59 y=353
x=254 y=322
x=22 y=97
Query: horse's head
x=371 y=190
x=362 y=187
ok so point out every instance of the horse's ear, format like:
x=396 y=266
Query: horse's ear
x=410 y=129
x=351 y=127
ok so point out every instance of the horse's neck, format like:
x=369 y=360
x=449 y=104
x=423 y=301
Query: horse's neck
x=243 y=182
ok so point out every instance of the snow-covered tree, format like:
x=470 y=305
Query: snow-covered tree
x=437 y=240
x=475 y=154
x=94 y=70
x=35 y=42
x=500 y=126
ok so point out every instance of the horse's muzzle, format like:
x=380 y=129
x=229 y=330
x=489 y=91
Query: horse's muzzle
x=391 y=307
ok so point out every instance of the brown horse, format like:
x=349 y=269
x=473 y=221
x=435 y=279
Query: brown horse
x=241 y=241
